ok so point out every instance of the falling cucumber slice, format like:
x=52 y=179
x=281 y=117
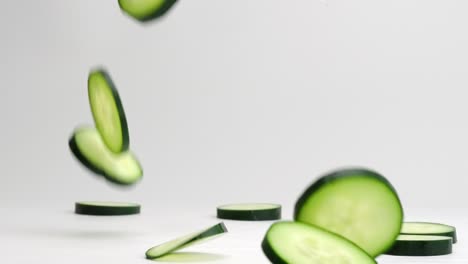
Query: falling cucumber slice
x=427 y=228
x=359 y=204
x=298 y=243
x=185 y=241
x=106 y=208
x=88 y=147
x=249 y=211
x=107 y=110
x=421 y=245
x=145 y=10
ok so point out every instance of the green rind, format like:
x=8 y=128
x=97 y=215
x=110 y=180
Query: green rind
x=421 y=248
x=344 y=173
x=211 y=232
x=270 y=252
x=250 y=215
x=82 y=159
x=119 y=106
x=452 y=234
x=88 y=209
x=95 y=169
x=274 y=258
x=158 y=13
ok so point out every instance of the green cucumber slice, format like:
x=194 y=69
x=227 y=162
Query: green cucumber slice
x=187 y=240
x=88 y=147
x=298 y=243
x=106 y=208
x=421 y=245
x=145 y=10
x=427 y=228
x=358 y=204
x=107 y=110
x=249 y=211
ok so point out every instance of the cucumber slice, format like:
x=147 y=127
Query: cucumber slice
x=358 y=204
x=106 y=208
x=298 y=243
x=187 y=240
x=249 y=211
x=87 y=146
x=427 y=228
x=145 y=10
x=421 y=245
x=108 y=112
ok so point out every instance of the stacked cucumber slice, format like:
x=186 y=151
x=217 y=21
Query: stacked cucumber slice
x=104 y=150
x=424 y=239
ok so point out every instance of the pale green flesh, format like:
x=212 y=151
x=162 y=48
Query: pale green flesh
x=357 y=208
x=425 y=228
x=105 y=111
x=108 y=204
x=141 y=8
x=122 y=167
x=182 y=242
x=422 y=238
x=304 y=244
x=248 y=206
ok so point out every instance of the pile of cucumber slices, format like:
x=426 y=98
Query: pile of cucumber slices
x=350 y=215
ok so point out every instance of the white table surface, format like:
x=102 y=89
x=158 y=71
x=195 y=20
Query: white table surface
x=57 y=235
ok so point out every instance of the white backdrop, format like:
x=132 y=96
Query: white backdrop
x=231 y=101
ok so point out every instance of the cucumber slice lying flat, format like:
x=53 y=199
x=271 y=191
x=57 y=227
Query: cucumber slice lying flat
x=108 y=112
x=431 y=229
x=421 y=245
x=298 y=243
x=106 y=208
x=357 y=204
x=249 y=211
x=184 y=241
x=145 y=10
x=87 y=146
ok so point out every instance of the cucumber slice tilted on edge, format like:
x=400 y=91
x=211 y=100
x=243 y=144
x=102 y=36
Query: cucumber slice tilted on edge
x=431 y=229
x=145 y=10
x=106 y=208
x=250 y=211
x=185 y=241
x=289 y=242
x=358 y=204
x=87 y=146
x=421 y=245
x=107 y=110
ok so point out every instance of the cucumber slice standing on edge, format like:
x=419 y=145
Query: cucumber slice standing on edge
x=297 y=243
x=249 y=211
x=427 y=228
x=421 y=245
x=185 y=241
x=358 y=204
x=106 y=208
x=88 y=147
x=107 y=110
x=145 y=10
